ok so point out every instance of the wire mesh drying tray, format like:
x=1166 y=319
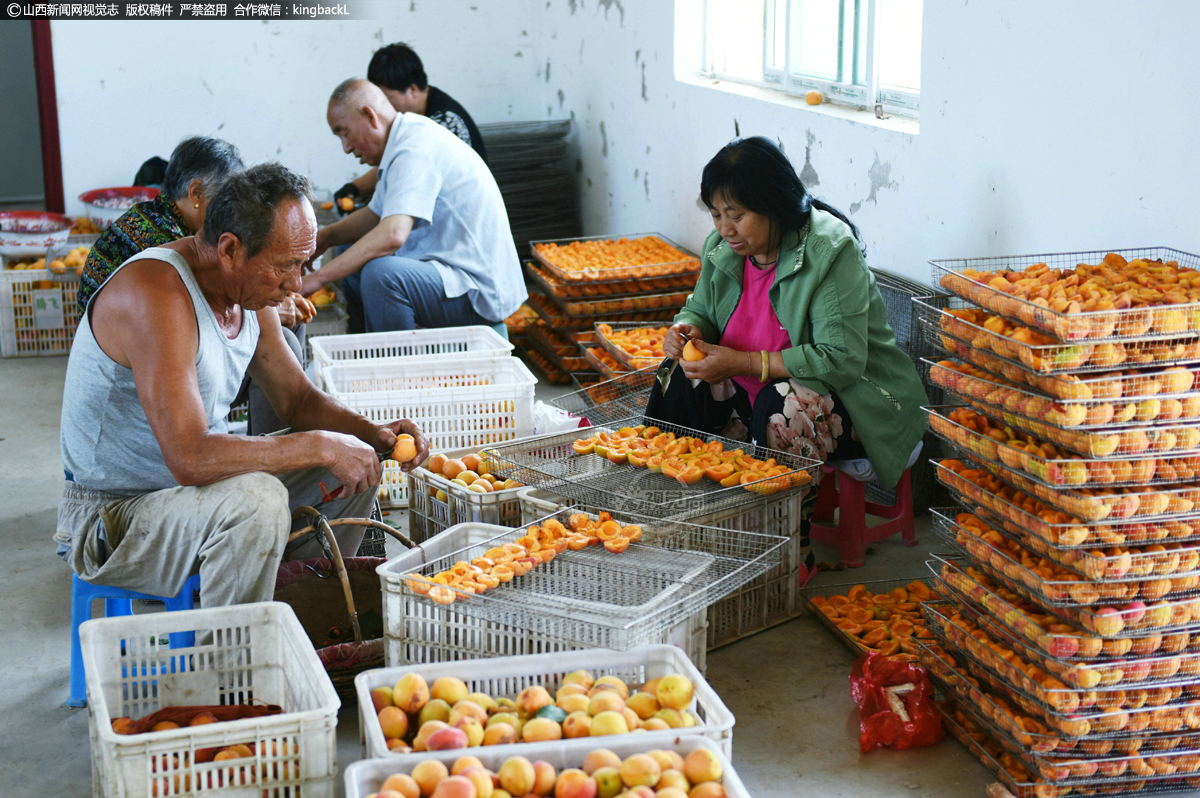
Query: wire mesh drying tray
x=1170 y=616
x=550 y=285
x=1131 y=552
x=1078 y=602
x=967 y=324
x=613 y=400
x=595 y=355
x=610 y=267
x=554 y=316
x=1056 y=472
x=1081 y=589
x=1174 y=309
x=551 y=463
x=1097 y=384
x=632 y=362
x=1047 y=632
x=1129 y=399
x=987 y=639
x=1115 y=772
x=608 y=305
x=1120 y=719
x=1145 y=505
x=674 y=571
x=875 y=587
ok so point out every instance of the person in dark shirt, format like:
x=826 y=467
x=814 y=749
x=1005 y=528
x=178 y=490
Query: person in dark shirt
x=397 y=70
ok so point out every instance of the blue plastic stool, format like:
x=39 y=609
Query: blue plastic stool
x=117 y=601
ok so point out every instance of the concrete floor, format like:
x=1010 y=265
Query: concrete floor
x=797 y=727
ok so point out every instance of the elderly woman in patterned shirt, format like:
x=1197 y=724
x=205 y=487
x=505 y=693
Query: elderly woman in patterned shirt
x=198 y=167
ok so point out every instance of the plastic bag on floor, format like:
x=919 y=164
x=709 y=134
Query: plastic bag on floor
x=895 y=704
x=548 y=419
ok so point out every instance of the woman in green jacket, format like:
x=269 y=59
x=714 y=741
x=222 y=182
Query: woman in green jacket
x=797 y=352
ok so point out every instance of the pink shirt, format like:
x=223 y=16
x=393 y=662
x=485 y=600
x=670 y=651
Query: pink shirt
x=754 y=326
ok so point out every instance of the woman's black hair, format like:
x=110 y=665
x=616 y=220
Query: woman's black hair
x=754 y=173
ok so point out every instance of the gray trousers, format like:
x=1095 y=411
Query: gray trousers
x=231 y=532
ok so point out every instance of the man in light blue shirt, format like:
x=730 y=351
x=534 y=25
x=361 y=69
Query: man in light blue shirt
x=433 y=248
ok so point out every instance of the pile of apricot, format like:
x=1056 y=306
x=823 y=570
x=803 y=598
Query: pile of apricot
x=601 y=288
x=653 y=774
x=540 y=544
x=637 y=258
x=605 y=359
x=1041 y=353
x=688 y=460
x=642 y=344
x=883 y=622
x=1114 y=297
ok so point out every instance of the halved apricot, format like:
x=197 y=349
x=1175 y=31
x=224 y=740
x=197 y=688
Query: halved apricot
x=584 y=446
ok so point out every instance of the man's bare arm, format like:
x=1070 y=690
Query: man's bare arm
x=144 y=320
x=384 y=238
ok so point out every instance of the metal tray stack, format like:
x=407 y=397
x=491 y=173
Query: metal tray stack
x=528 y=161
x=1076 y=425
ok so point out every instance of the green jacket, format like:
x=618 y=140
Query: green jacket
x=827 y=300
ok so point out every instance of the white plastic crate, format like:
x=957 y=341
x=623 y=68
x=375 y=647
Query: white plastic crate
x=365 y=777
x=474 y=341
x=38 y=312
x=439 y=396
x=416 y=632
x=769 y=600
x=256 y=651
x=428 y=516
x=507 y=676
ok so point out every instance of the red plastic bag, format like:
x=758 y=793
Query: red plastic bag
x=911 y=694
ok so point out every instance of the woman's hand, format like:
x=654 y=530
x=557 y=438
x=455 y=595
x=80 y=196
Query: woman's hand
x=679 y=335
x=718 y=364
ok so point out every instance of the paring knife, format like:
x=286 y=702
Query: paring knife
x=666 y=370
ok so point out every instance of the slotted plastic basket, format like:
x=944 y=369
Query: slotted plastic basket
x=472 y=342
x=38 y=312
x=506 y=677
x=363 y=778
x=587 y=598
x=760 y=604
x=458 y=403
x=428 y=515
x=253 y=652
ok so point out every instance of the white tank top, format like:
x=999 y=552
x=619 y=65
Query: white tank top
x=107 y=443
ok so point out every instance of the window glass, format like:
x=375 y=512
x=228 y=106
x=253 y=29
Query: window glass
x=815 y=36
x=899 y=49
x=735 y=37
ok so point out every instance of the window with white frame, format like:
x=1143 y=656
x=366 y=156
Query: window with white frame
x=855 y=52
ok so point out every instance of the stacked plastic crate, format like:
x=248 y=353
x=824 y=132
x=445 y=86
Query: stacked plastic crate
x=1070 y=639
x=460 y=384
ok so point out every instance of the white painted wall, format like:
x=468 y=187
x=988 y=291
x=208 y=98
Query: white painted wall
x=264 y=85
x=1042 y=126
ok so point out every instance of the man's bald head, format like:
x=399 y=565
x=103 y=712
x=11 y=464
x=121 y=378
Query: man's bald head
x=356 y=93
x=361 y=116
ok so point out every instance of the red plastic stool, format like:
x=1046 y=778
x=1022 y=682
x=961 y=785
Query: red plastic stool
x=852 y=535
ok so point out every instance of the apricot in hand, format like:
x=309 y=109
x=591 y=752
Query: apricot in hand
x=406 y=449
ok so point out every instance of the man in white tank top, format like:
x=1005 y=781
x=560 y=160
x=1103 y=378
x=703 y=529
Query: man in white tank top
x=156 y=488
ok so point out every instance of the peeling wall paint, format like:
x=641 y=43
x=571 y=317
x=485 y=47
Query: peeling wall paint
x=808 y=174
